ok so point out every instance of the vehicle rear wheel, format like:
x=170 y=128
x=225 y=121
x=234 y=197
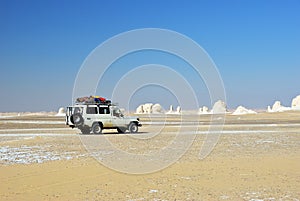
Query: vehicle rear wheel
x=133 y=128
x=121 y=130
x=97 y=129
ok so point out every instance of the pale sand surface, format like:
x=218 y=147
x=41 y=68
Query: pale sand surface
x=257 y=158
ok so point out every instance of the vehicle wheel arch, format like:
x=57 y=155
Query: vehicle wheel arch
x=130 y=125
x=97 y=127
x=97 y=122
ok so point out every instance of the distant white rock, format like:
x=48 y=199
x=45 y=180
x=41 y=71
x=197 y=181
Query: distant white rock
x=240 y=110
x=171 y=111
x=157 y=109
x=296 y=103
x=140 y=109
x=277 y=107
x=269 y=109
x=203 y=110
x=178 y=110
x=219 y=107
x=61 y=112
x=149 y=108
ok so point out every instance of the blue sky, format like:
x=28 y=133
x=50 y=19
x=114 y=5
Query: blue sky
x=255 y=45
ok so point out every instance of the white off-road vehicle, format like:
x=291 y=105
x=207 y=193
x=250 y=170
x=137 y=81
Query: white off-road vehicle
x=94 y=117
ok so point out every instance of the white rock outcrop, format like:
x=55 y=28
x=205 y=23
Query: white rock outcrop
x=219 y=107
x=296 y=103
x=277 y=107
x=240 y=110
x=203 y=110
x=171 y=111
x=269 y=109
x=140 y=109
x=149 y=108
x=157 y=109
x=178 y=110
x=61 y=112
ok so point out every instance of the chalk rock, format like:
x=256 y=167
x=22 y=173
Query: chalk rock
x=240 y=110
x=178 y=110
x=171 y=111
x=61 y=112
x=277 y=107
x=203 y=110
x=269 y=109
x=296 y=103
x=156 y=108
x=140 y=109
x=148 y=108
x=219 y=107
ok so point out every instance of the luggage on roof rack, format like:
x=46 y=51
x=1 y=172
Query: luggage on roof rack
x=92 y=100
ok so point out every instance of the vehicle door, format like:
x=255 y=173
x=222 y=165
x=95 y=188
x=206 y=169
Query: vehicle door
x=117 y=117
x=105 y=116
x=91 y=114
x=71 y=111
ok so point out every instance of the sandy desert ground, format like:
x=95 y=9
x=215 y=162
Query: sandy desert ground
x=256 y=158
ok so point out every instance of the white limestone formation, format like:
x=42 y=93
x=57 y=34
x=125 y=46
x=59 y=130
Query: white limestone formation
x=171 y=111
x=140 y=109
x=219 y=107
x=61 y=112
x=296 y=103
x=277 y=107
x=203 y=110
x=240 y=110
x=157 y=109
x=178 y=110
x=149 y=108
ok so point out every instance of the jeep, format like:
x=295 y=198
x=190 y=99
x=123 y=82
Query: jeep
x=94 y=117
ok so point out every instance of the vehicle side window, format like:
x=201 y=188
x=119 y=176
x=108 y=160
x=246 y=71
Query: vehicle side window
x=116 y=112
x=104 y=110
x=91 y=110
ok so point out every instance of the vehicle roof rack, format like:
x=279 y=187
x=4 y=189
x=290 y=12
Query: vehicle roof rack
x=107 y=102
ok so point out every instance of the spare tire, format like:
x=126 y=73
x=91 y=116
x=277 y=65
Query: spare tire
x=76 y=119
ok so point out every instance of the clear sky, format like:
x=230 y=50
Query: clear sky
x=254 y=43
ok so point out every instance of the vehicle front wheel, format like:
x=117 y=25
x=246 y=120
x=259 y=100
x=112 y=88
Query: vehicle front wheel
x=97 y=129
x=133 y=128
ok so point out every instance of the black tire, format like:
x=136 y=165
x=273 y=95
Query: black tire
x=76 y=119
x=97 y=128
x=133 y=127
x=121 y=130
